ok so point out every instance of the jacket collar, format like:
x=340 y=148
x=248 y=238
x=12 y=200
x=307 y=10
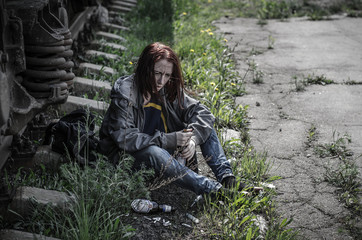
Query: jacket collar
x=125 y=87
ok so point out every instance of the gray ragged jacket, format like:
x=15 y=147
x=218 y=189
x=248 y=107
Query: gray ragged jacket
x=123 y=123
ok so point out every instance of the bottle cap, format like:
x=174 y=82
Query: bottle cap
x=166 y=208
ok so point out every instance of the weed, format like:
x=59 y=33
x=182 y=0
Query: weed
x=255 y=52
x=352 y=82
x=253 y=167
x=235 y=217
x=312 y=132
x=273 y=9
x=354 y=13
x=299 y=84
x=209 y=70
x=243 y=216
x=322 y=80
x=102 y=194
x=346 y=177
x=40 y=177
x=318 y=13
x=271 y=42
x=257 y=75
x=337 y=148
x=279 y=229
x=208 y=67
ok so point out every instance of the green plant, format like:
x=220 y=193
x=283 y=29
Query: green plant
x=322 y=80
x=209 y=71
x=271 y=41
x=312 y=133
x=273 y=9
x=354 y=13
x=252 y=167
x=241 y=215
x=233 y=218
x=102 y=194
x=299 y=84
x=208 y=68
x=255 y=52
x=150 y=22
x=85 y=219
x=317 y=14
x=352 y=82
x=279 y=229
x=346 y=177
x=337 y=148
x=257 y=75
x=40 y=177
x=312 y=136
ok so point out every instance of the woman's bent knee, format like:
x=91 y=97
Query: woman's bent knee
x=152 y=156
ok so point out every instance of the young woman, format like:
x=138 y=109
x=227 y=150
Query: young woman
x=151 y=116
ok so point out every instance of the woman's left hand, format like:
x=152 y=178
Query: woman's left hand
x=189 y=150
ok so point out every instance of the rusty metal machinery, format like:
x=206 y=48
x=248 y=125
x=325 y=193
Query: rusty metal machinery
x=36 y=60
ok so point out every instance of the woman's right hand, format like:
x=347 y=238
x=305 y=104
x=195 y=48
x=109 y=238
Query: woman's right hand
x=183 y=137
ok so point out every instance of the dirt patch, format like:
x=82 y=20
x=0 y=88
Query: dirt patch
x=174 y=225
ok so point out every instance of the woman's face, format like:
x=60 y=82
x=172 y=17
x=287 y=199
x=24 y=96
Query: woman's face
x=163 y=71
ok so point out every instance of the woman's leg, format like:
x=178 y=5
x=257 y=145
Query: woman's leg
x=168 y=168
x=215 y=157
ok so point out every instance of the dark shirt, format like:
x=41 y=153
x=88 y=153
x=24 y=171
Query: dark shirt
x=154 y=118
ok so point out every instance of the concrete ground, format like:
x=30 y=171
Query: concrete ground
x=281 y=118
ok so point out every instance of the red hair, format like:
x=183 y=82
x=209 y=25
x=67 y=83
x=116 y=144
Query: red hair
x=145 y=77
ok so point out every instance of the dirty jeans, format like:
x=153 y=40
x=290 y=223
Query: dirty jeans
x=167 y=167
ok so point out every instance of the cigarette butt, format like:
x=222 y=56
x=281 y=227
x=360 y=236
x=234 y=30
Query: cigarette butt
x=186 y=225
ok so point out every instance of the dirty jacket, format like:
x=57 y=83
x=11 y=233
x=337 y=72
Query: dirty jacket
x=123 y=123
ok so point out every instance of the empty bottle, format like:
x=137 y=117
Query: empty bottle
x=148 y=206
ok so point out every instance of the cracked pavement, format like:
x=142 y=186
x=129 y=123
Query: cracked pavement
x=281 y=117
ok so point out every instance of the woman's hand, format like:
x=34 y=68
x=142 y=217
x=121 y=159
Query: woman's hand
x=183 y=137
x=189 y=150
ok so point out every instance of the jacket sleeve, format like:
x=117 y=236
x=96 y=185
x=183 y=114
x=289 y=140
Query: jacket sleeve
x=198 y=117
x=123 y=129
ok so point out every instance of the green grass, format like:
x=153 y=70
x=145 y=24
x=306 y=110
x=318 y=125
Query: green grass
x=209 y=70
x=345 y=176
x=311 y=79
x=283 y=9
x=207 y=64
x=102 y=194
x=341 y=171
x=336 y=148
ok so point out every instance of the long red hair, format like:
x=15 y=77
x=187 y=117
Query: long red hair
x=145 y=77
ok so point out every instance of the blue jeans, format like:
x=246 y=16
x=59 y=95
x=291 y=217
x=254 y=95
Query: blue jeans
x=167 y=167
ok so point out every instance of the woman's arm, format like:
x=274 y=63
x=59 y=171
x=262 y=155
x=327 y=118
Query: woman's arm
x=198 y=117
